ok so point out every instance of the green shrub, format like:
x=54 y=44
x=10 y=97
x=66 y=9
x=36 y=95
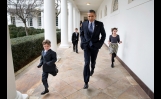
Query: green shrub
x=21 y=33
x=13 y=33
x=58 y=29
x=12 y=25
x=42 y=30
x=25 y=49
x=58 y=37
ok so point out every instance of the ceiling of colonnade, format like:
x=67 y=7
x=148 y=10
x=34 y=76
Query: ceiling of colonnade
x=83 y=7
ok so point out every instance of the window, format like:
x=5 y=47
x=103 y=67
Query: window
x=129 y=1
x=135 y=3
x=115 y=5
x=105 y=13
x=13 y=20
x=56 y=21
x=30 y=21
x=39 y=19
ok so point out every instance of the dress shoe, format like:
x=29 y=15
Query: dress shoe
x=92 y=71
x=85 y=86
x=44 y=92
x=112 y=65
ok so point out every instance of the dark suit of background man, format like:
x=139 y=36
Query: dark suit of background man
x=91 y=43
x=75 y=39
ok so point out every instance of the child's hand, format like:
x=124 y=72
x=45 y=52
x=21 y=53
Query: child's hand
x=120 y=42
x=109 y=43
x=38 y=66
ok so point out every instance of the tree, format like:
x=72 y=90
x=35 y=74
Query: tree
x=23 y=9
x=57 y=7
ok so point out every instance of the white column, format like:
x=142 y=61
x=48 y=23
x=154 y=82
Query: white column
x=59 y=21
x=77 y=18
x=11 y=86
x=64 y=25
x=79 y=21
x=70 y=22
x=42 y=20
x=74 y=21
x=50 y=23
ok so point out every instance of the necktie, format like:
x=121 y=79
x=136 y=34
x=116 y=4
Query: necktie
x=91 y=28
x=91 y=31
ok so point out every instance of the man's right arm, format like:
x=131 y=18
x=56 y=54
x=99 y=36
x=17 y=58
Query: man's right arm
x=82 y=35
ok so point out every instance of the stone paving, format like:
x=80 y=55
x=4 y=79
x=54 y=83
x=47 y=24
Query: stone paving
x=105 y=83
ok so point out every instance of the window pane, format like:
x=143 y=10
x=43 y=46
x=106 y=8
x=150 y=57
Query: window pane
x=56 y=21
x=31 y=24
x=13 y=20
x=115 y=6
x=39 y=21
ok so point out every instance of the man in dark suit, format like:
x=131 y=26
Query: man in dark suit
x=48 y=59
x=75 y=39
x=91 y=43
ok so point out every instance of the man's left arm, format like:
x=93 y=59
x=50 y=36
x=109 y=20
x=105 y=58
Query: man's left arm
x=103 y=35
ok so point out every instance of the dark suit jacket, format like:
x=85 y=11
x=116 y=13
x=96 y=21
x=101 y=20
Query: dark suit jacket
x=48 y=61
x=75 y=38
x=86 y=37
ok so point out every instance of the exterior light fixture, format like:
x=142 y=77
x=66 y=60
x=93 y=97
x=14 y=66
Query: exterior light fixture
x=88 y=3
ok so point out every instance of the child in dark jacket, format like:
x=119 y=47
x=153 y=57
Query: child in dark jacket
x=48 y=59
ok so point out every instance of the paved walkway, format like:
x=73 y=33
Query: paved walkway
x=106 y=82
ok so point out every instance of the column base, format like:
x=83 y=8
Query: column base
x=64 y=46
x=58 y=58
x=21 y=96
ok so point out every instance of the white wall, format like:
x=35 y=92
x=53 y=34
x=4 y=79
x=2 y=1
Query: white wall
x=8 y=19
x=81 y=17
x=135 y=23
x=35 y=22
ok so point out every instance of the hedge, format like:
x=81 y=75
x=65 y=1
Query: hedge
x=27 y=48
x=20 y=31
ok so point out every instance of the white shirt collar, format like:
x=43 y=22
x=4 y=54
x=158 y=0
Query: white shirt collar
x=91 y=22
